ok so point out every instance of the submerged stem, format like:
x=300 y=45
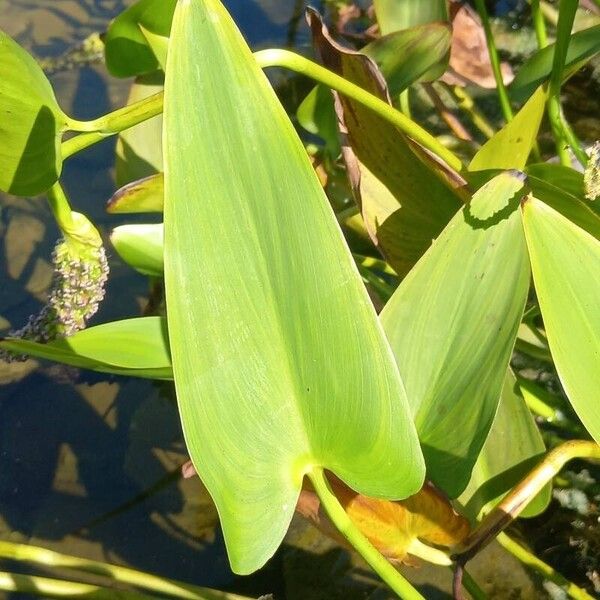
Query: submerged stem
x=361 y=544
x=529 y=559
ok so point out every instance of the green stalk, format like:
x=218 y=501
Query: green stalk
x=529 y=559
x=131 y=115
x=539 y=24
x=521 y=495
x=566 y=17
x=61 y=209
x=56 y=588
x=466 y=103
x=472 y=586
x=495 y=61
x=361 y=544
x=122 y=118
x=125 y=575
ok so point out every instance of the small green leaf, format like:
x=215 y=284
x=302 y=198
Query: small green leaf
x=31 y=124
x=134 y=347
x=510 y=147
x=565 y=178
x=146 y=195
x=405 y=57
x=280 y=363
x=126 y=47
x=583 y=45
x=513 y=446
x=317 y=115
x=452 y=324
x=565 y=261
x=141 y=247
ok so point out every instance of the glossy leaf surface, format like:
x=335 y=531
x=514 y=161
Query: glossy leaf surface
x=452 y=324
x=565 y=261
x=510 y=147
x=513 y=446
x=134 y=347
x=126 y=49
x=141 y=247
x=280 y=363
x=582 y=45
x=31 y=124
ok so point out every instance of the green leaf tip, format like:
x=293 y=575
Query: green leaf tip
x=279 y=361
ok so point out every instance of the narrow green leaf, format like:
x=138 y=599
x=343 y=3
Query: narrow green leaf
x=452 y=324
x=31 y=124
x=280 y=364
x=404 y=204
x=141 y=247
x=134 y=347
x=565 y=261
x=513 y=446
x=159 y=44
x=139 y=148
x=126 y=47
x=393 y=15
x=583 y=45
x=146 y=195
x=560 y=176
x=316 y=114
x=571 y=207
x=510 y=147
x=405 y=57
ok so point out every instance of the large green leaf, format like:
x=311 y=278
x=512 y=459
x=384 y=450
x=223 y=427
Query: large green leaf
x=31 y=124
x=510 y=147
x=134 y=347
x=535 y=71
x=403 y=202
x=140 y=246
x=280 y=364
x=393 y=15
x=513 y=446
x=565 y=261
x=452 y=325
x=126 y=45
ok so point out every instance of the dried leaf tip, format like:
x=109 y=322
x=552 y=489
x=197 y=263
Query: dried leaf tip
x=591 y=177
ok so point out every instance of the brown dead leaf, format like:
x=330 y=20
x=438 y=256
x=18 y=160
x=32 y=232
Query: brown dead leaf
x=469 y=56
x=390 y=526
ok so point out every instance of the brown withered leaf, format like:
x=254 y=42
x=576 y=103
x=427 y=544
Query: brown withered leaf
x=390 y=526
x=469 y=56
x=404 y=195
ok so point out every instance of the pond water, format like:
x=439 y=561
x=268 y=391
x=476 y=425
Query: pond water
x=89 y=464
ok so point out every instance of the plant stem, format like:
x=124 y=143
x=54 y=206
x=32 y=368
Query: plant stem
x=495 y=61
x=529 y=559
x=59 y=204
x=472 y=586
x=566 y=17
x=152 y=583
x=539 y=24
x=466 y=103
x=131 y=115
x=521 y=495
x=122 y=118
x=56 y=588
x=277 y=57
x=362 y=545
